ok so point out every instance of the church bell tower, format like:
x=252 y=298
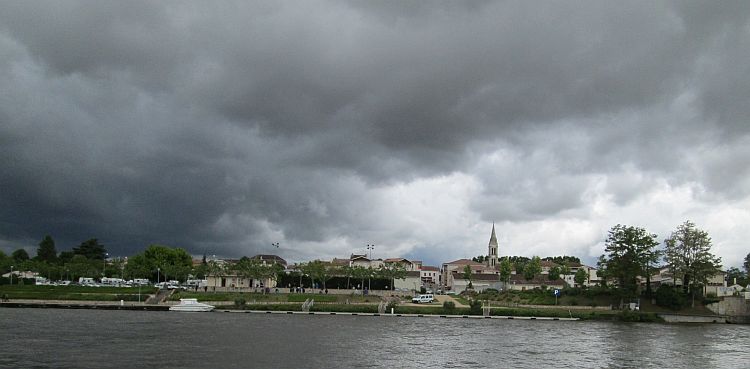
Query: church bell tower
x=492 y=256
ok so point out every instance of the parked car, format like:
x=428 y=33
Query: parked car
x=426 y=298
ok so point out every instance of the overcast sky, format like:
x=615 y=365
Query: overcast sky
x=224 y=127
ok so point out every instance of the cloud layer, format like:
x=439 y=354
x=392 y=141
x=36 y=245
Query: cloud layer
x=328 y=125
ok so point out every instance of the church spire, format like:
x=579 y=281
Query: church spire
x=492 y=248
x=493 y=238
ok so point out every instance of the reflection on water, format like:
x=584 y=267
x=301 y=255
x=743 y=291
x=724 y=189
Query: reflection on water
x=117 y=339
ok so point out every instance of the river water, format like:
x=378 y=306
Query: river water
x=60 y=338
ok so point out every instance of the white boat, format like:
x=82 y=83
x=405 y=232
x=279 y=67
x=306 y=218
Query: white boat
x=191 y=305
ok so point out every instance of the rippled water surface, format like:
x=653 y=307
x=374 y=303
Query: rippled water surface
x=130 y=339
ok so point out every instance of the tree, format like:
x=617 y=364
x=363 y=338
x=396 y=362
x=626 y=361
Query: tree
x=159 y=261
x=532 y=268
x=20 y=255
x=519 y=262
x=346 y=271
x=361 y=273
x=91 y=249
x=563 y=259
x=564 y=268
x=628 y=249
x=735 y=275
x=247 y=268
x=581 y=276
x=80 y=266
x=554 y=273
x=137 y=267
x=746 y=264
x=46 y=251
x=506 y=269
x=317 y=270
x=393 y=272
x=479 y=259
x=215 y=269
x=689 y=254
x=467 y=276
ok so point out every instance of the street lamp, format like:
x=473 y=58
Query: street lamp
x=158 y=270
x=11 y=274
x=104 y=265
x=370 y=247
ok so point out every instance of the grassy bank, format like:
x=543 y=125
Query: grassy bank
x=76 y=293
x=251 y=297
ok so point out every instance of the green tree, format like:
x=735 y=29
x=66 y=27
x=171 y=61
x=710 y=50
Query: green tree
x=563 y=259
x=346 y=271
x=160 y=261
x=532 y=268
x=581 y=276
x=46 y=251
x=468 y=276
x=137 y=267
x=20 y=255
x=480 y=259
x=247 y=268
x=519 y=262
x=80 y=266
x=689 y=250
x=564 y=268
x=116 y=267
x=628 y=250
x=735 y=274
x=392 y=272
x=91 y=249
x=317 y=270
x=554 y=273
x=215 y=269
x=361 y=273
x=506 y=270
x=746 y=264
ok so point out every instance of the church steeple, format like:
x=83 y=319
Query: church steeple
x=492 y=256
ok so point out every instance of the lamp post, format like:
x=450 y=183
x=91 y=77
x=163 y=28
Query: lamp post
x=370 y=248
x=11 y=275
x=158 y=270
x=104 y=265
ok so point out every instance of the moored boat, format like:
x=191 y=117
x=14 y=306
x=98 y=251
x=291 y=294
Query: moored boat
x=191 y=305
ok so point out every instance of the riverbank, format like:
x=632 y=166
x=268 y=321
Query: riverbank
x=357 y=309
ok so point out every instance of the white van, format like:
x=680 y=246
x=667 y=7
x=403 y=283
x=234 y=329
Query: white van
x=426 y=298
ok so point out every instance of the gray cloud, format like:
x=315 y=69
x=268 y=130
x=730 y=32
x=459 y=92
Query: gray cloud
x=225 y=127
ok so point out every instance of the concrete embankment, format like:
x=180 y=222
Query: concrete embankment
x=736 y=309
x=682 y=318
x=44 y=304
x=395 y=315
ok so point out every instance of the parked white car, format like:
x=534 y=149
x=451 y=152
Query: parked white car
x=426 y=298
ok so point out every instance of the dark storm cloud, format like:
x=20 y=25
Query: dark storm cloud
x=228 y=126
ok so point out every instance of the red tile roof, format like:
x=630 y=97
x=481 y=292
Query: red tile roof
x=465 y=262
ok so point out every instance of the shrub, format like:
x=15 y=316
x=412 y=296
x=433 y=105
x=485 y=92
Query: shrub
x=449 y=307
x=239 y=302
x=475 y=307
x=422 y=290
x=669 y=297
